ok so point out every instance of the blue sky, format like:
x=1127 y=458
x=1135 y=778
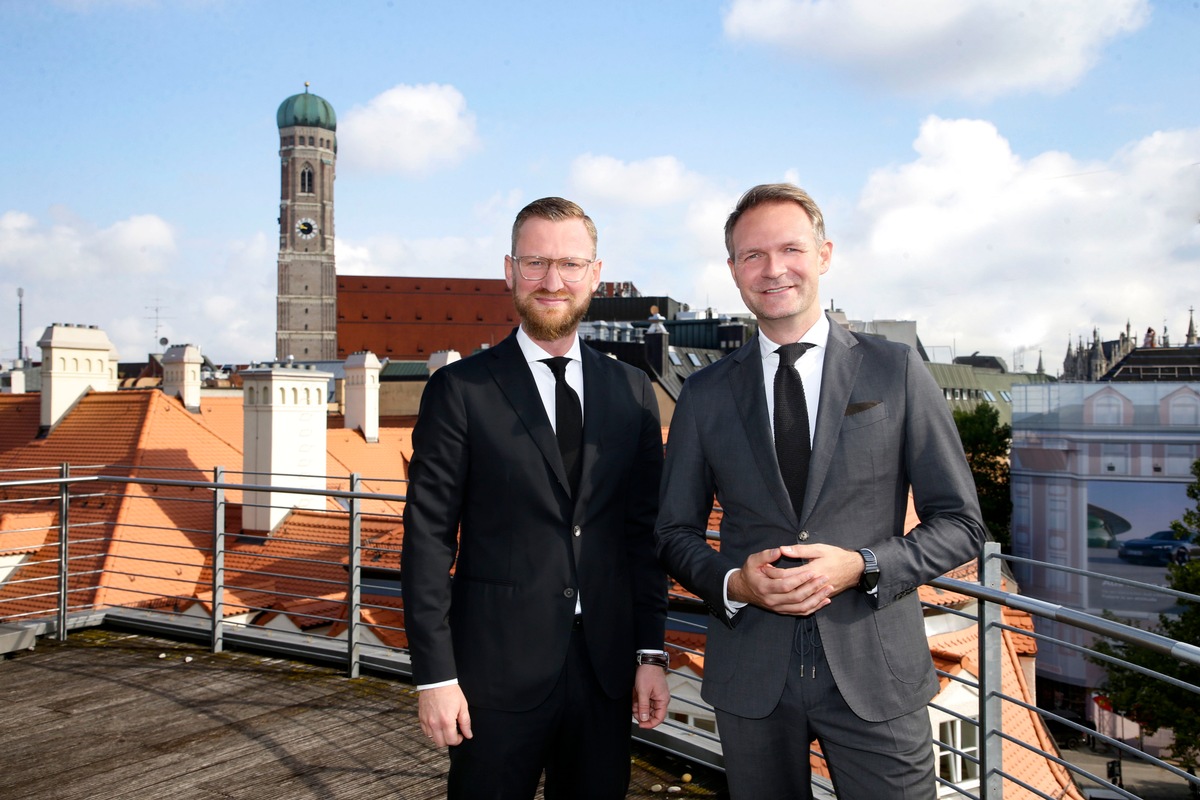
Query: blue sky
x=1008 y=173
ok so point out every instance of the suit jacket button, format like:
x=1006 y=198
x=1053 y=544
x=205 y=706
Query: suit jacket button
x=568 y=592
x=576 y=530
x=802 y=536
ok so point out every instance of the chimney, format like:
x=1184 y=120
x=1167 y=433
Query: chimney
x=440 y=359
x=283 y=440
x=14 y=379
x=75 y=359
x=657 y=343
x=362 y=394
x=181 y=375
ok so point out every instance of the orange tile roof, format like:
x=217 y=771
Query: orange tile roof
x=23 y=532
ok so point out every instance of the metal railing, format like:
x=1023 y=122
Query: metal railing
x=164 y=553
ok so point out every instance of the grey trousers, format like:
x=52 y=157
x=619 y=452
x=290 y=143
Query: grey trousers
x=769 y=757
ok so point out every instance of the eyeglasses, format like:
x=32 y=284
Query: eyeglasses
x=535 y=268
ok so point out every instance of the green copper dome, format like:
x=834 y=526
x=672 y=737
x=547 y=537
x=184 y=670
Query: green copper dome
x=306 y=109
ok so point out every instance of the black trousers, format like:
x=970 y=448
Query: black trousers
x=578 y=735
x=769 y=757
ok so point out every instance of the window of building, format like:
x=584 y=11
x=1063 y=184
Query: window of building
x=306 y=180
x=695 y=359
x=674 y=358
x=991 y=398
x=1180 y=458
x=1184 y=410
x=1114 y=458
x=1006 y=396
x=962 y=767
x=1106 y=411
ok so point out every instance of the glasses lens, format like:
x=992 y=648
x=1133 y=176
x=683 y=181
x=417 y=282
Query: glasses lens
x=533 y=268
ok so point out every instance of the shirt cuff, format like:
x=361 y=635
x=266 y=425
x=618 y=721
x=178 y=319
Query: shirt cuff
x=731 y=606
x=422 y=687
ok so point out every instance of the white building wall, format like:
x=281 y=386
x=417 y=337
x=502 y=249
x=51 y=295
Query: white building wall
x=75 y=359
x=283 y=442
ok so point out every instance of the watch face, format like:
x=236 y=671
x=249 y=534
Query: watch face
x=306 y=228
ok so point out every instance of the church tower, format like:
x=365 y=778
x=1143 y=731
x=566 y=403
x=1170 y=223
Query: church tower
x=306 y=326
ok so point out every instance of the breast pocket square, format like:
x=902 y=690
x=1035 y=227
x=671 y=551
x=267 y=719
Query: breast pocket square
x=858 y=408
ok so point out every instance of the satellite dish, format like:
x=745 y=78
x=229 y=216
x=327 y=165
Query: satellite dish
x=163 y=341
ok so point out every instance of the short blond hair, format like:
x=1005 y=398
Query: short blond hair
x=776 y=193
x=555 y=209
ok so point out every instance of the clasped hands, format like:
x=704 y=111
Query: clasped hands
x=796 y=590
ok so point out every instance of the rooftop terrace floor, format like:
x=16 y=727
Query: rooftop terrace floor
x=116 y=715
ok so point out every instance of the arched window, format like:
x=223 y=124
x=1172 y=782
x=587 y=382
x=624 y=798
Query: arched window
x=306 y=180
x=250 y=395
x=1185 y=410
x=295 y=396
x=1107 y=411
x=307 y=397
x=266 y=396
x=282 y=396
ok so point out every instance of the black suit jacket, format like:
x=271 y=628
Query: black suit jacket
x=486 y=459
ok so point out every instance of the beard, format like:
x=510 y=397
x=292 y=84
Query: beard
x=549 y=326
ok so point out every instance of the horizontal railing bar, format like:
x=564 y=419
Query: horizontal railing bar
x=1153 y=587
x=1079 y=619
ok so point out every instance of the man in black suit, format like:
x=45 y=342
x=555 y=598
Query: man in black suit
x=551 y=629
x=811 y=437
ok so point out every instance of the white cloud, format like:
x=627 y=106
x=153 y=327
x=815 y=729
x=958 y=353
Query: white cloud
x=979 y=49
x=995 y=252
x=135 y=282
x=69 y=248
x=650 y=182
x=408 y=129
x=457 y=256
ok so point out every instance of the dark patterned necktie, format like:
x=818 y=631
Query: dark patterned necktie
x=793 y=447
x=568 y=420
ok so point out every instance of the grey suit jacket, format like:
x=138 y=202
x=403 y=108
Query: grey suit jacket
x=882 y=425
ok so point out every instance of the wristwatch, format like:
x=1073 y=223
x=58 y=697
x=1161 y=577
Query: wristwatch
x=870 y=577
x=654 y=658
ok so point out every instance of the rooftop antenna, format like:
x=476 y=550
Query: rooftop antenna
x=20 y=326
x=158 y=318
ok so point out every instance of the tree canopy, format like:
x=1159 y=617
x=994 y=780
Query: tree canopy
x=986 y=443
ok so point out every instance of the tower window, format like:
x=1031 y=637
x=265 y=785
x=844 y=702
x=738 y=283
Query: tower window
x=310 y=141
x=306 y=180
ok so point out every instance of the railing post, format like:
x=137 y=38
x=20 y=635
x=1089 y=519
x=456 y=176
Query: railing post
x=64 y=529
x=354 y=595
x=991 y=649
x=218 y=561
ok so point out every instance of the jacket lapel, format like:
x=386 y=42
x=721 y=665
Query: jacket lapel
x=746 y=383
x=837 y=380
x=511 y=373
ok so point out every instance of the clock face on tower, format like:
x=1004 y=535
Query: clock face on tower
x=306 y=228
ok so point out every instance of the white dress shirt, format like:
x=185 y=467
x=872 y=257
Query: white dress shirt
x=811 y=367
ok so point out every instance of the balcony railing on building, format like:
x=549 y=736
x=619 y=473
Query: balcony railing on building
x=312 y=572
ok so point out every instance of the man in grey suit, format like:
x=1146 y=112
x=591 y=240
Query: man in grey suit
x=817 y=632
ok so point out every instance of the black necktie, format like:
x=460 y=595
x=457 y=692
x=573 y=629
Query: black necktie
x=568 y=422
x=792 y=444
